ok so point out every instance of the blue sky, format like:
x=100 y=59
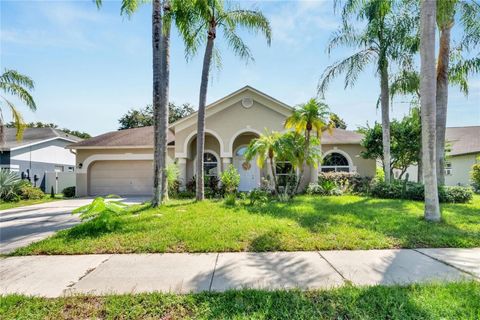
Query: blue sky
x=90 y=66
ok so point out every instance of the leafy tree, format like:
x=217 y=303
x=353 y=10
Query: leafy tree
x=475 y=175
x=337 y=121
x=143 y=117
x=210 y=17
x=428 y=107
x=405 y=142
x=39 y=124
x=386 y=37
x=313 y=115
x=15 y=84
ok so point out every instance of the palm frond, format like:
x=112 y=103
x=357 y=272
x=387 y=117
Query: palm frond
x=352 y=66
x=237 y=45
x=20 y=92
x=13 y=76
x=17 y=118
x=251 y=20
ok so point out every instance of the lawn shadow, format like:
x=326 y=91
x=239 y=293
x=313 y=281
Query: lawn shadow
x=400 y=221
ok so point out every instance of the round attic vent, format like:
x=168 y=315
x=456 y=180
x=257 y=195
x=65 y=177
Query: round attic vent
x=247 y=102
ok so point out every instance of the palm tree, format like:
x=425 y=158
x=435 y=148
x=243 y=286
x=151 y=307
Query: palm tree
x=265 y=148
x=16 y=84
x=469 y=13
x=387 y=37
x=163 y=12
x=211 y=16
x=428 y=107
x=313 y=115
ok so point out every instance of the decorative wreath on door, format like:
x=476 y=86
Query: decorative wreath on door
x=246 y=166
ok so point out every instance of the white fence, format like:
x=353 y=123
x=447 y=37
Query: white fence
x=59 y=181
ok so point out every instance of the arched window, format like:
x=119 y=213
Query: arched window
x=210 y=164
x=335 y=162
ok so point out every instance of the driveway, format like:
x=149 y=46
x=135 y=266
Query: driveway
x=24 y=225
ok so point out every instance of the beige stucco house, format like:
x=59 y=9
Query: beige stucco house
x=120 y=162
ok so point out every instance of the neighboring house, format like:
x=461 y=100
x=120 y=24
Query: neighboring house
x=463 y=148
x=39 y=151
x=120 y=162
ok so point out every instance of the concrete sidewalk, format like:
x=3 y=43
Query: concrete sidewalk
x=54 y=276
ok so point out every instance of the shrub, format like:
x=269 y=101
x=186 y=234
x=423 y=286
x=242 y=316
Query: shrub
x=475 y=175
x=28 y=192
x=230 y=199
x=455 y=194
x=172 y=179
x=415 y=191
x=52 y=193
x=9 y=184
x=347 y=182
x=230 y=179
x=101 y=214
x=69 y=192
x=258 y=196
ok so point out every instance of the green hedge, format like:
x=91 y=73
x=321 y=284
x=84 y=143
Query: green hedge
x=415 y=191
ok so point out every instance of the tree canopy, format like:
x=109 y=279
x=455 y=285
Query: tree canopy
x=142 y=117
x=406 y=142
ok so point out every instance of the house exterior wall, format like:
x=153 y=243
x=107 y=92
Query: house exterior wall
x=461 y=167
x=42 y=157
x=364 y=167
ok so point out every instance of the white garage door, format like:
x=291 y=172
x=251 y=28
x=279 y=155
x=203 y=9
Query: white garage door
x=121 y=177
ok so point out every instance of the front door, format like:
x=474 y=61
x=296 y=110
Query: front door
x=249 y=171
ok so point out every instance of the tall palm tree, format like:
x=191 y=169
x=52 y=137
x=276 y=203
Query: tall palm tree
x=428 y=107
x=213 y=16
x=16 y=84
x=469 y=14
x=313 y=115
x=163 y=12
x=265 y=148
x=387 y=37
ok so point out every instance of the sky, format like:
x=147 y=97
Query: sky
x=91 y=66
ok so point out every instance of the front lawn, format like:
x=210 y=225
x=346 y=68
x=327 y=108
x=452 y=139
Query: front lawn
x=10 y=205
x=308 y=223
x=427 y=301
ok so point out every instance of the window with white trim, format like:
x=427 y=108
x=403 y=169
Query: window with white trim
x=448 y=168
x=210 y=164
x=283 y=170
x=335 y=162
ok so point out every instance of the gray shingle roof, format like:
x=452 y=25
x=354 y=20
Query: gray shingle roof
x=143 y=137
x=136 y=137
x=33 y=136
x=463 y=140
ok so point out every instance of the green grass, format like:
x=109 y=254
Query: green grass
x=427 y=301
x=307 y=223
x=10 y=205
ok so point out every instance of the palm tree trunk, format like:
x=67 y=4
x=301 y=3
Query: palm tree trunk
x=428 y=107
x=274 y=176
x=442 y=100
x=384 y=97
x=163 y=117
x=207 y=60
x=157 y=82
x=304 y=164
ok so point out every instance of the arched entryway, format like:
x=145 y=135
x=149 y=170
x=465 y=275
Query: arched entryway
x=249 y=171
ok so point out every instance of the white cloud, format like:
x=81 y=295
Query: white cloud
x=301 y=21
